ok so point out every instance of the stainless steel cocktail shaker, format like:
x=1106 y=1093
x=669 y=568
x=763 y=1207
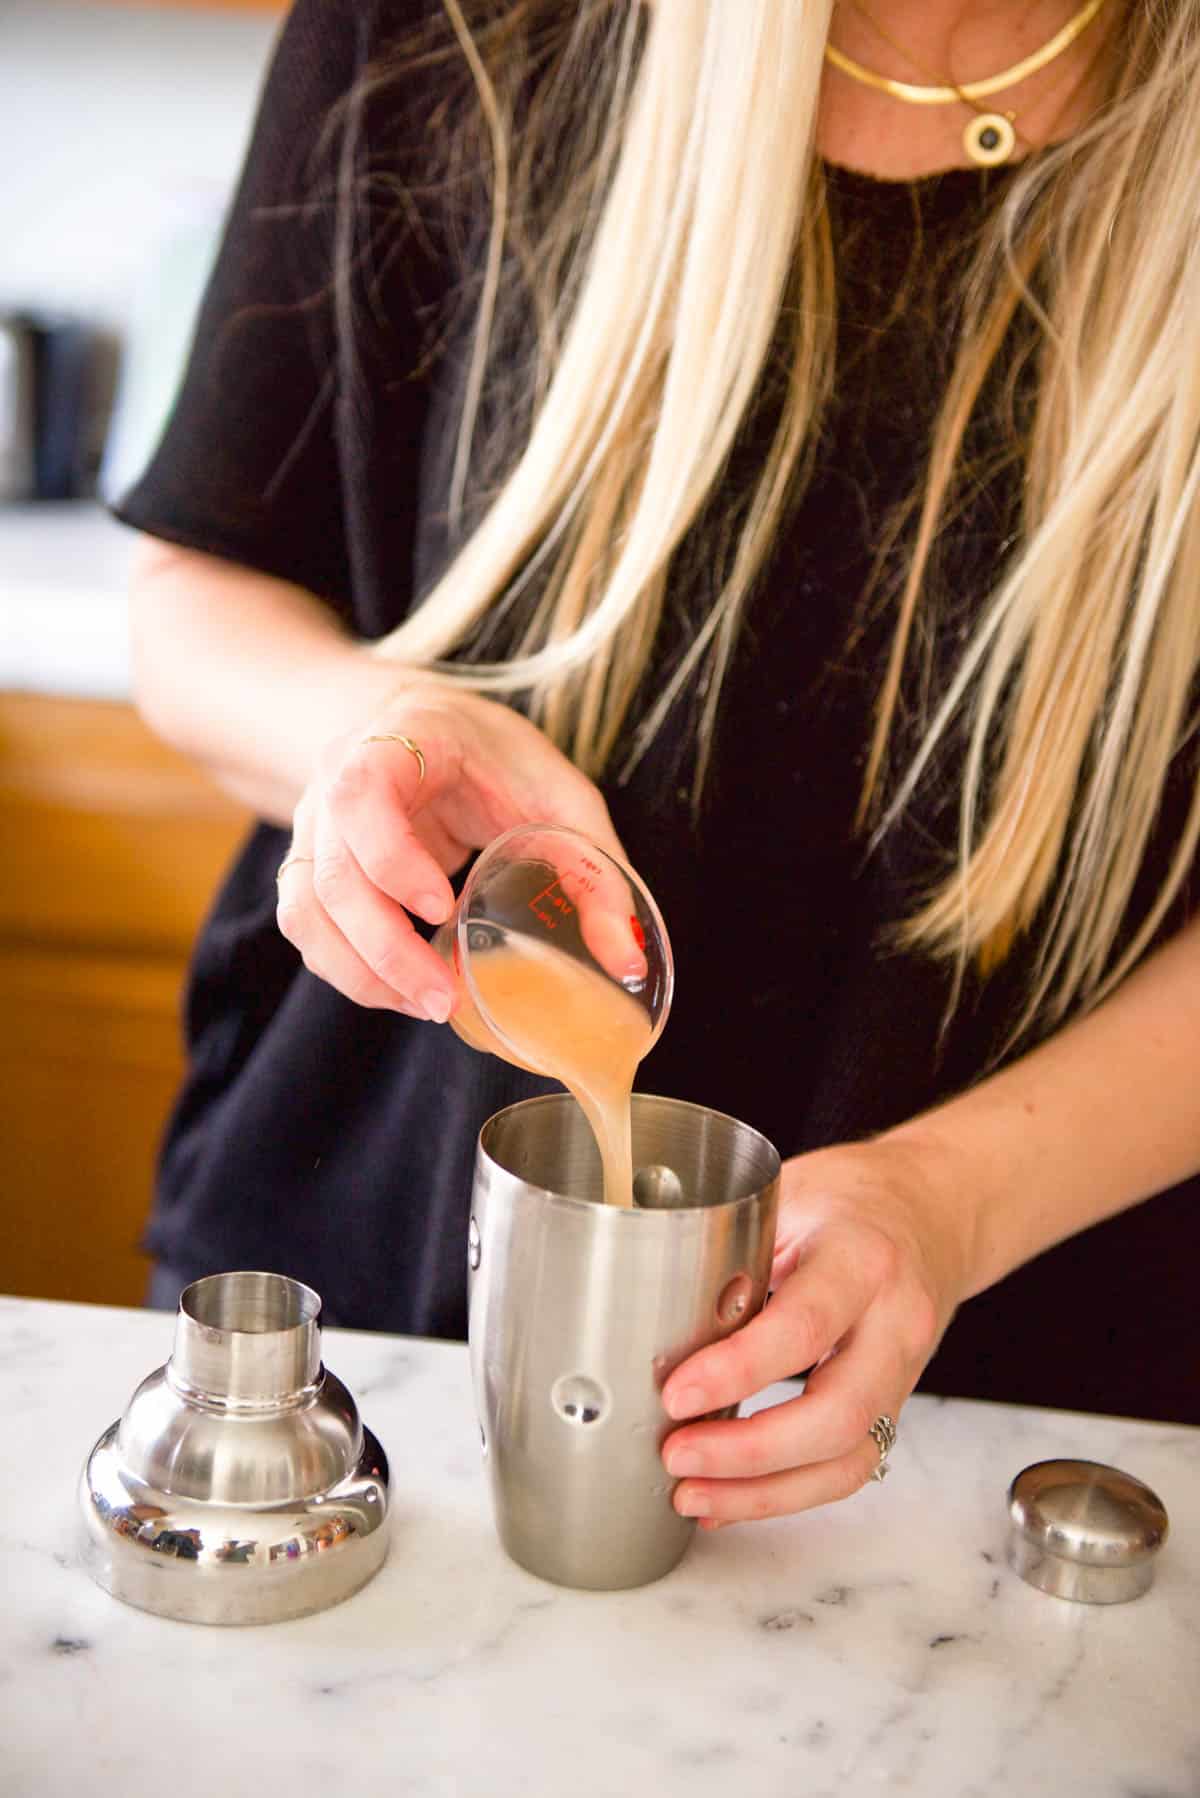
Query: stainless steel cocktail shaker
x=580 y=1310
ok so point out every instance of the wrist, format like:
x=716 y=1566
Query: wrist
x=947 y=1188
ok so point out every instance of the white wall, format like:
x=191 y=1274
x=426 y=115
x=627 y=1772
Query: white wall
x=116 y=122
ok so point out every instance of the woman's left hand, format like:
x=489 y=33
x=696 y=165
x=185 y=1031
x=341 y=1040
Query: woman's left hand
x=872 y=1256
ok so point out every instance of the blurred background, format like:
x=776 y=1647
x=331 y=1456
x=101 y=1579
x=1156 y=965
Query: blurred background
x=121 y=135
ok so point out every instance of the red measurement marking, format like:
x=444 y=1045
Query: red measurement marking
x=549 y=900
x=575 y=884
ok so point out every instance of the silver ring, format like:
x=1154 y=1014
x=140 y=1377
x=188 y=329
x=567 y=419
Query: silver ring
x=289 y=861
x=883 y=1434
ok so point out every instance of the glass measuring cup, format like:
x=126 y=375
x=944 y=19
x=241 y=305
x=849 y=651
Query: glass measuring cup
x=541 y=892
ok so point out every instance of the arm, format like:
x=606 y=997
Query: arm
x=258 y=680
x=236 y=661
x=880 y=1241
x=246 y=673
x=1102 y=1115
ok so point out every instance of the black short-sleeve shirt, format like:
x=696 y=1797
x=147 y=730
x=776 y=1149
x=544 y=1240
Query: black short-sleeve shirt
x=335 y=1143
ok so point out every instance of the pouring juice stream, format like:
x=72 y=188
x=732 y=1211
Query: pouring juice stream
x=563 y=967
x=572 y=1023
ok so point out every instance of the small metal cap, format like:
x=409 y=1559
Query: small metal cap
x=1084 y=1531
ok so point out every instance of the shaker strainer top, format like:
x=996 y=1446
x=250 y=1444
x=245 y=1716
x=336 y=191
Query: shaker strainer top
x=239 y=1486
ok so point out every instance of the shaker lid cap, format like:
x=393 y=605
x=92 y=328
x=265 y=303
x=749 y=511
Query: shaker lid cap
x=1081 y=1529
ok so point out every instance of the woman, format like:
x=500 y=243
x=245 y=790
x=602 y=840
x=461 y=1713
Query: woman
x=796 y=470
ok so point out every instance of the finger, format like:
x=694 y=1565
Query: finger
x=447 y=851
x=841 y=1401
x=809 y=1313
x=371 y=797
x=379 y=932
x=325 y=951
x=608 y=918
x=617 y=941
x=780 y=1494
x=588 y=898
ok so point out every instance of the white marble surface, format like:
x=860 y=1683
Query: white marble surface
x=880 y=1645
x=64 y=580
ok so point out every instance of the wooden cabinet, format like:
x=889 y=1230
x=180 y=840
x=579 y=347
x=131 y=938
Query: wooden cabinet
x=110 y=849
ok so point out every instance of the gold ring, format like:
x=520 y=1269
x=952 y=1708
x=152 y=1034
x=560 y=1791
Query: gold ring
x=289 y=861
x=413 y=749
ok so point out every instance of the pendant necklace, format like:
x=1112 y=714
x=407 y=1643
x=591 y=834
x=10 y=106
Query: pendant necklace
x=991 y=137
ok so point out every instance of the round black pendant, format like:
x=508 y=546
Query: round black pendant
x=989 y=139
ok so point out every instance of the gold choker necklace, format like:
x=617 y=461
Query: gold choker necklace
x=989 y=138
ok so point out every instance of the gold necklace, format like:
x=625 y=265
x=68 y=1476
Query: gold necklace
x=990 y=137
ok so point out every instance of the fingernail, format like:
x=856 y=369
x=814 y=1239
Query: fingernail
x=637 y=967
x=432 y=907
x=692 y=1504
x=688 y=1402
x=436 y=1005
x=682 y=1461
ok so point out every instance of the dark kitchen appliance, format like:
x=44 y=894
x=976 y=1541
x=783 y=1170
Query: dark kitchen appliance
x=50 y=397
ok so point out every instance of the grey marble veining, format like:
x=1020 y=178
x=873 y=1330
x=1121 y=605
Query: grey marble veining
x=877 y=1646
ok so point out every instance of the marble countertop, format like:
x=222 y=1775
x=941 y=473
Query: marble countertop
x=878 y=1645
x=64 y=578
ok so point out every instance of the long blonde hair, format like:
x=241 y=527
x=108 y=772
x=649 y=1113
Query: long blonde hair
x=689 y=222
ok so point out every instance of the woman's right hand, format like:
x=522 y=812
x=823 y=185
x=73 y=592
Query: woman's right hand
x=373 y=841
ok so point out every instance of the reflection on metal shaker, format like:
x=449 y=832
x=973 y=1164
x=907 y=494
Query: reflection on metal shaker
x=579 y=1311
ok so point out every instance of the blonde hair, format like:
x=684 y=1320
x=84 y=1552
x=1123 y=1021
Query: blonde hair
x=693 y=222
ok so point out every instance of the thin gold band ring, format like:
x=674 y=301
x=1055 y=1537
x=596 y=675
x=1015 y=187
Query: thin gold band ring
x=413 y=748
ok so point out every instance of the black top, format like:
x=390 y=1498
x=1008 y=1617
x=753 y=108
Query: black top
x=335 y=1143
